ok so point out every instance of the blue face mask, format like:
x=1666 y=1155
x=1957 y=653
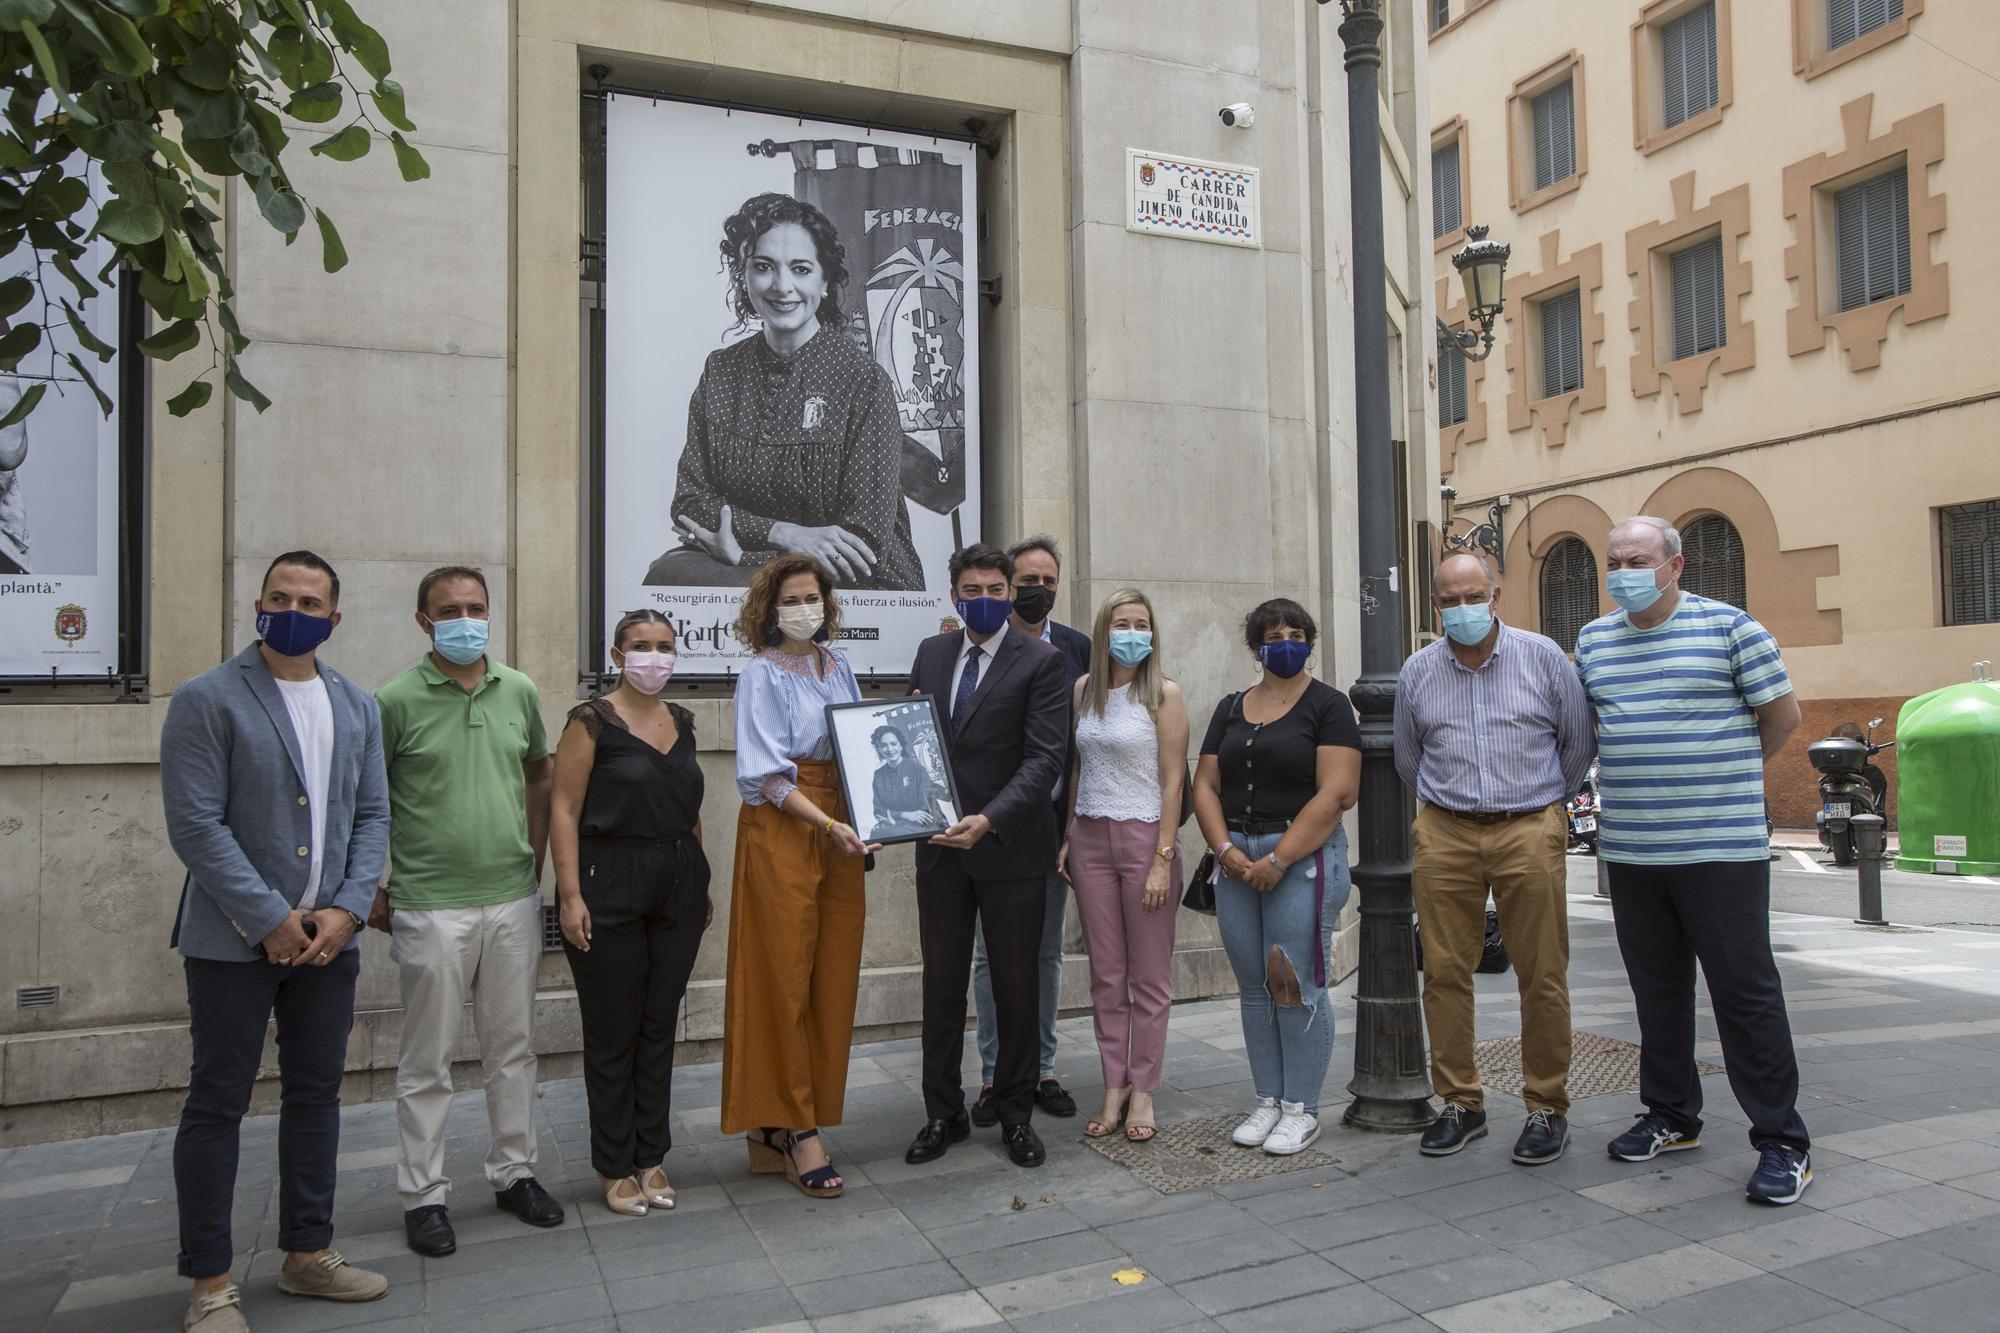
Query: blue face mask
x=1129 y=647
x=1285 y=658
x=462 y=641
x=292 y=633
x=984 y=615
x=1469 y=624
x=1632 y=589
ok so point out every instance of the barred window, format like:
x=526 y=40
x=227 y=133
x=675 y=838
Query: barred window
x=1970 y=538
x=1847 y=20
x=1569 y=591
x=1714 y=551
x=1687 y=64
x=1452 y=407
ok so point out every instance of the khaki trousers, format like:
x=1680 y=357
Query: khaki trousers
x=1521 y=861
x=447 y=956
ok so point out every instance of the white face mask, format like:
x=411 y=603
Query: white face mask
x=801 y=622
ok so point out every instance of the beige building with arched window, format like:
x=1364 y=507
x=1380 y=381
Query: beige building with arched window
x=1730 y=305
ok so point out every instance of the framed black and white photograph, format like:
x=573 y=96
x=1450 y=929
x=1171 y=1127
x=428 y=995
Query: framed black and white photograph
x=791 y=364
x=893 y=768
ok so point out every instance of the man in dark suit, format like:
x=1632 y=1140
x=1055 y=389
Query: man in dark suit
x=1005 y=701
x=1037 y=574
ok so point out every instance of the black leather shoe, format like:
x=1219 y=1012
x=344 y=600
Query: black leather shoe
x=935 y=1137
x=1542 y=1139
x=1052 y=1097
x=984 y=1113
x=428 y=1231
x=527 y=1200
x=1024 y=1145
x=1453 y=1129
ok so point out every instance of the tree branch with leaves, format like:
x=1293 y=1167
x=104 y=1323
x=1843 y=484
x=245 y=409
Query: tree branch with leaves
x=163 y=97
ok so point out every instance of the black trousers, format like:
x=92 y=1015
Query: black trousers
x=229 y=1005
x=629 y=989
x=1717 y=912
x=949 y=905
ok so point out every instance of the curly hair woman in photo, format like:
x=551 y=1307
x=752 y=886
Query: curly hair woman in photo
x=793 y=441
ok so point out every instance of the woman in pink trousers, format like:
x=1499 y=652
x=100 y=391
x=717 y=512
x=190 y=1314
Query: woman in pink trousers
x=1121 y=854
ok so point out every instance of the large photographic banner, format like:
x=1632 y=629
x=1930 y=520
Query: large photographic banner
x=791 y=364
x=59 y=489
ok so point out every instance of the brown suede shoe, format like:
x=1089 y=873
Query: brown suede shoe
x=332 y=1278
x=218 y=1311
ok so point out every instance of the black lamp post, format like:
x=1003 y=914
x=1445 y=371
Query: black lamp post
x=1391 y=1085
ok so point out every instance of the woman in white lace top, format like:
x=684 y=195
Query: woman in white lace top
x=1121 y=854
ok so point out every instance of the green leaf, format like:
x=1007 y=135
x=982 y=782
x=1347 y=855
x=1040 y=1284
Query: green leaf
x=14 y=293
x=89 y=340
x=52 y=70
x=243 y=388
x=216 y=116
x=190 y=399
x=315 y=105
x=90 y=380
x=347 y=145
x=364 y=42
x=171 y=341
x=17 y=342
x=288 y=53
x=388 y=97
x=23 y=405
x=140 y=9
x=131 y=221
x=281 y=208
x=226 y=314
x=333 y=253
x=15 y=13
x=409 y=161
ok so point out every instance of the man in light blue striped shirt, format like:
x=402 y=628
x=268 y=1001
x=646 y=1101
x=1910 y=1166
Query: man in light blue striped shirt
x=1493 y=734
x=1691 y=698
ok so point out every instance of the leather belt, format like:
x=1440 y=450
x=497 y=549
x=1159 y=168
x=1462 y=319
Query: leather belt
x=1489 y=816
x=1257 y=828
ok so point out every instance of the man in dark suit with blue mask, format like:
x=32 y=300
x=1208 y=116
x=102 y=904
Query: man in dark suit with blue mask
x=1004 y=698
x=276 y=801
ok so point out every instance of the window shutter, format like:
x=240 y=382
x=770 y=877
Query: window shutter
x=1970 y=535
x=1452 y=406
x=1698 y=300
x=1849 y=19
x=1569 y=591
x=1687 y=65
x=1673 y=73
x=1872 y=239
x=1447 y=209
x=1562 y=343
x=1554 y=115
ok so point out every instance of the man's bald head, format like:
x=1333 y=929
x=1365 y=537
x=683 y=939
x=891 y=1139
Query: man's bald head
x=1463 y=579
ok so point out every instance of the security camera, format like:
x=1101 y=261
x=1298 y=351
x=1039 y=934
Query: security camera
x=1238 y=115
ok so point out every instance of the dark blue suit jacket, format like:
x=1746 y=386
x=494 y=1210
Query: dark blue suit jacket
x=1075 y=646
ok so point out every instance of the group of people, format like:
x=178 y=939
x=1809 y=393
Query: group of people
x=305 y=809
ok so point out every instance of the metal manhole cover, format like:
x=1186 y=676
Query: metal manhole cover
x=1197 y=1155
x=1597 y=1065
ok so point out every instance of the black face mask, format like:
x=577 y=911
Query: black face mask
x=1034 y=602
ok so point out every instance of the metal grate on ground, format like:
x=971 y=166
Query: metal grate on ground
x=1597 y=1065
x=1197 y=1155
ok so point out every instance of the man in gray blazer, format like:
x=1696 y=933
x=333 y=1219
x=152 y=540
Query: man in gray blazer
x=271 y=773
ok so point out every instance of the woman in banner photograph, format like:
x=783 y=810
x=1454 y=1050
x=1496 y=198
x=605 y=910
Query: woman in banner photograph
x=793 y=440
x=906 y=795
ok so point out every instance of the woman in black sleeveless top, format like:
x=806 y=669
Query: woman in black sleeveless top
x=633 y=886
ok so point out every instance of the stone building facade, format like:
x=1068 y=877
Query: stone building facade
x=1736 y=302
x=1179 y=414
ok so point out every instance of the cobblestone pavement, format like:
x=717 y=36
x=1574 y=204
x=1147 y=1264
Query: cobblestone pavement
x=1899 y=1043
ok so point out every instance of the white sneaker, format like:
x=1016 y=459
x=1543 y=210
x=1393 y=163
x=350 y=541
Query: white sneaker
x=1253 y=1131
x=1296 y=1131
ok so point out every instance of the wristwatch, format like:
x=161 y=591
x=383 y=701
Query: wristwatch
x=1276 y=864
x=1166 y=853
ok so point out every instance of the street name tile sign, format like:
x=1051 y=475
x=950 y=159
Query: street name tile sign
x=1192 y=200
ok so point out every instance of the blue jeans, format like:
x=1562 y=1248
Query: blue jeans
x=1055 y=899
x=1289 y=1045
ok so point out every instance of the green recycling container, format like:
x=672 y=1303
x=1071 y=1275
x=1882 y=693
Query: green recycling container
x=1948 y=779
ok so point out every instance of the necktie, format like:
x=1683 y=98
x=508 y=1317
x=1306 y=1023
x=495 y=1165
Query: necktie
x=968 y=681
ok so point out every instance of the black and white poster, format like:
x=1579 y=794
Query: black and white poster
x=791 y=364
x=59 y=488
x=894 y=771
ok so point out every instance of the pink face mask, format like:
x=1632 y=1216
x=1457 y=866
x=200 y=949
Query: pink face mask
x=648 y=672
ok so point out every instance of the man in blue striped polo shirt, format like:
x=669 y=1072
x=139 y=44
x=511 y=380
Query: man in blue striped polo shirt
x=1691 y=698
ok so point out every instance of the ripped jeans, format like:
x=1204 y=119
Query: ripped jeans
x=1280 y=966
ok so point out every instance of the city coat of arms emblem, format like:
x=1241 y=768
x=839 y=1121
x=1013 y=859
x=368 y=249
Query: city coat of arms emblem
x=71 y=624
x=1145 y=173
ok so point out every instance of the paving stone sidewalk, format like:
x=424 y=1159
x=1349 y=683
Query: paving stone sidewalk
x=1899 y=1041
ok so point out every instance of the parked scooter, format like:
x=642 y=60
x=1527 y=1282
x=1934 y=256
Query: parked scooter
x=1583 y=811
x=1848 y=785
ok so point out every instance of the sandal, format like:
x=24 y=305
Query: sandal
x=1141 y=1129
x=659 y=1195
x=625 y=1205
x=818 y=1182
x=767 y=1152
x=1099 y=1129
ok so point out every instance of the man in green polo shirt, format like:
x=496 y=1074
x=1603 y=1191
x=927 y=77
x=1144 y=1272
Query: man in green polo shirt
x=469 y=781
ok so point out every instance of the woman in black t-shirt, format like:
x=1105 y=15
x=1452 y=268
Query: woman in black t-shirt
x=625 y=827
x=1280 y=764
